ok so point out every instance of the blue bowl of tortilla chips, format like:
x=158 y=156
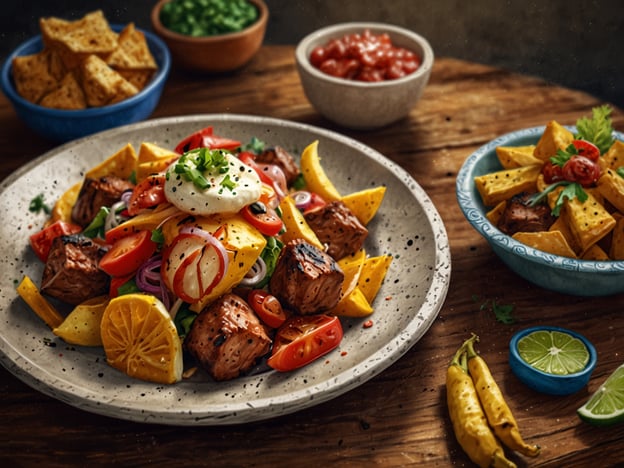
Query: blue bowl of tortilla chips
x=61 y=125
x=558 y=273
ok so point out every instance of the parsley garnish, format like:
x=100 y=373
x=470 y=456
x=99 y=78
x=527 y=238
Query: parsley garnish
x=570 y=191
x=255 y=146
x=597 y=129
x=193 y=164
x=37 y=205
x=503 y=312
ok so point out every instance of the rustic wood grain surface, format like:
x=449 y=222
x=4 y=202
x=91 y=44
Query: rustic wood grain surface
x=398 y=418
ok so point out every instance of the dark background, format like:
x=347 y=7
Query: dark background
x=577 y=44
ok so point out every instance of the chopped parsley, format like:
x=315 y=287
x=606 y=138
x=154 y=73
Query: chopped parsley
x=38 y=204
x=597 y=129
x=502 y=312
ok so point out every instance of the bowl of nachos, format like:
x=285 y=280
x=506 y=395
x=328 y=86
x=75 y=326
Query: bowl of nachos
x=80 y=77
x=550 y=202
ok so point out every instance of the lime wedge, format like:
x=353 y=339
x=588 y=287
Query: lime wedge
x=606 y=406
x=553 y=352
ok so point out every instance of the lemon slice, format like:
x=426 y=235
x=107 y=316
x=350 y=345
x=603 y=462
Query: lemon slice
x=553 y=352
x=606 y=405
x=140 y=339
x=82 y=325
x=314 y=175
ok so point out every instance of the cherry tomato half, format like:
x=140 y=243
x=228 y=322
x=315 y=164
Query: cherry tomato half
x=263 y=218
x=42 y=240
x=149 y=193
x=302 y=339
x=582 y=170
x=552 y=172
x=204 y=138
x=267 y=307
x=587 y=149
x=128 y=254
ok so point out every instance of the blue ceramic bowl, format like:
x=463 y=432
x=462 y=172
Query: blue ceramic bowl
x=553 y=272
x=64 y=125
x=550 y=383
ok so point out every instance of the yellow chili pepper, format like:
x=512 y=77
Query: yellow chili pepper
x=499 y=416
x=469 y=421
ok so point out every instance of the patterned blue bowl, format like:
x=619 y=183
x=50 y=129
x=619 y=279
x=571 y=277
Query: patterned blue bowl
x=64 y=125
x=553 y=272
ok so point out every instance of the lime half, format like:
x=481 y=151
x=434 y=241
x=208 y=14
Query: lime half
x=606 y=406
x=553 y=352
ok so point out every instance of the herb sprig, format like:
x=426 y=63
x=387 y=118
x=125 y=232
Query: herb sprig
x=597 y=129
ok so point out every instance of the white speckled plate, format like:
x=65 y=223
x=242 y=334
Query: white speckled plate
x=407 y=226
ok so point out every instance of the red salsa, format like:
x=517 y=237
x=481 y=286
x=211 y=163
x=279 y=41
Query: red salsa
x=364 y=57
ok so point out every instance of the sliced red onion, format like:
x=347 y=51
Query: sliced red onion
x=148 y=277
x=112 y=220
x=276 y=174
x=302 y=199
x=255 y=274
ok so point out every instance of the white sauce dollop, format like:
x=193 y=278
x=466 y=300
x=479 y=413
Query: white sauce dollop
x=218 y=198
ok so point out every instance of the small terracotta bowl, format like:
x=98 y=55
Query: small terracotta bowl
x=213 y=54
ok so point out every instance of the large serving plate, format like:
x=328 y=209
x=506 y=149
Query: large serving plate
x=407 y=226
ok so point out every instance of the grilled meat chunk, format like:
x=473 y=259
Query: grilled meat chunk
x=336 y=226
x=306 y=279
x=96 y=193
x=282 y=158
x=71 y=273
x=520 y=217
x=227 y=338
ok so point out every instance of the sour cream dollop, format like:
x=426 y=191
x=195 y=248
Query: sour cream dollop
x=229 y=185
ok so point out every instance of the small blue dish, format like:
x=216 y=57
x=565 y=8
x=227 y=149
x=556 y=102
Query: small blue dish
x=544 y=382
x=549 y=271
x=64 y=125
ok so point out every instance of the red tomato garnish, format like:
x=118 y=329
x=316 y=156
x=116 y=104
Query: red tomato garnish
x=128 y=254
x=552 y=172
x=194 y=264
x=42 y=240
x=263 y=218
x=205 y=139
x=582 y=170
x=267 y=307
x=587 y=149
x=302 y=339
x=149 y=193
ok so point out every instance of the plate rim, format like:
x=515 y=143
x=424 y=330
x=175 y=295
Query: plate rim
x=345 y=380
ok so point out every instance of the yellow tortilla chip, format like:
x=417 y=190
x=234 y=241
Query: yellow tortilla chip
x=67 y=96
x=555 y=137
x=101 y=83
x=562 y=225
x=133 y=52
x=365 y=203
x=589 y=220
x=495 y=214
x=547 y=241
x=138 y=78
x=353 y=305
x=153 y=159
x=91 y=34
x=296 y=225
x=614 y=157
x=616 y=252
x=373 y=274
x=516 y=156
x=611 y=186
x=121 y=164
x=595 y=253
x=33 y=76
x=502 y=185
x=63 y=207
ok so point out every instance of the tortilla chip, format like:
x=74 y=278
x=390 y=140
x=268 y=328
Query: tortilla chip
x=33 y=77
x=123 y=91
x=502 y=185
x=100 y=82
x=614 y=157
x=133 y=52
x=546 y=241
x=495 y=214
x=555 y=137
x=611 y=186
x=121 y=164
x=595 y=253
x=516 y=156
x=562 y=225
x=68 y=95
x=589 y=220
x=138 y=78
x=89 y=35
x=153 y=159
x=616 y=252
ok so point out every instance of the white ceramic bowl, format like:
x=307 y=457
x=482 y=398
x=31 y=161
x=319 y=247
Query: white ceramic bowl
x=553 y=272
x=357 y=104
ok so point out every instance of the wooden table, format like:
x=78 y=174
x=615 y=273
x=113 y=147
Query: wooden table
x=399 y=417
